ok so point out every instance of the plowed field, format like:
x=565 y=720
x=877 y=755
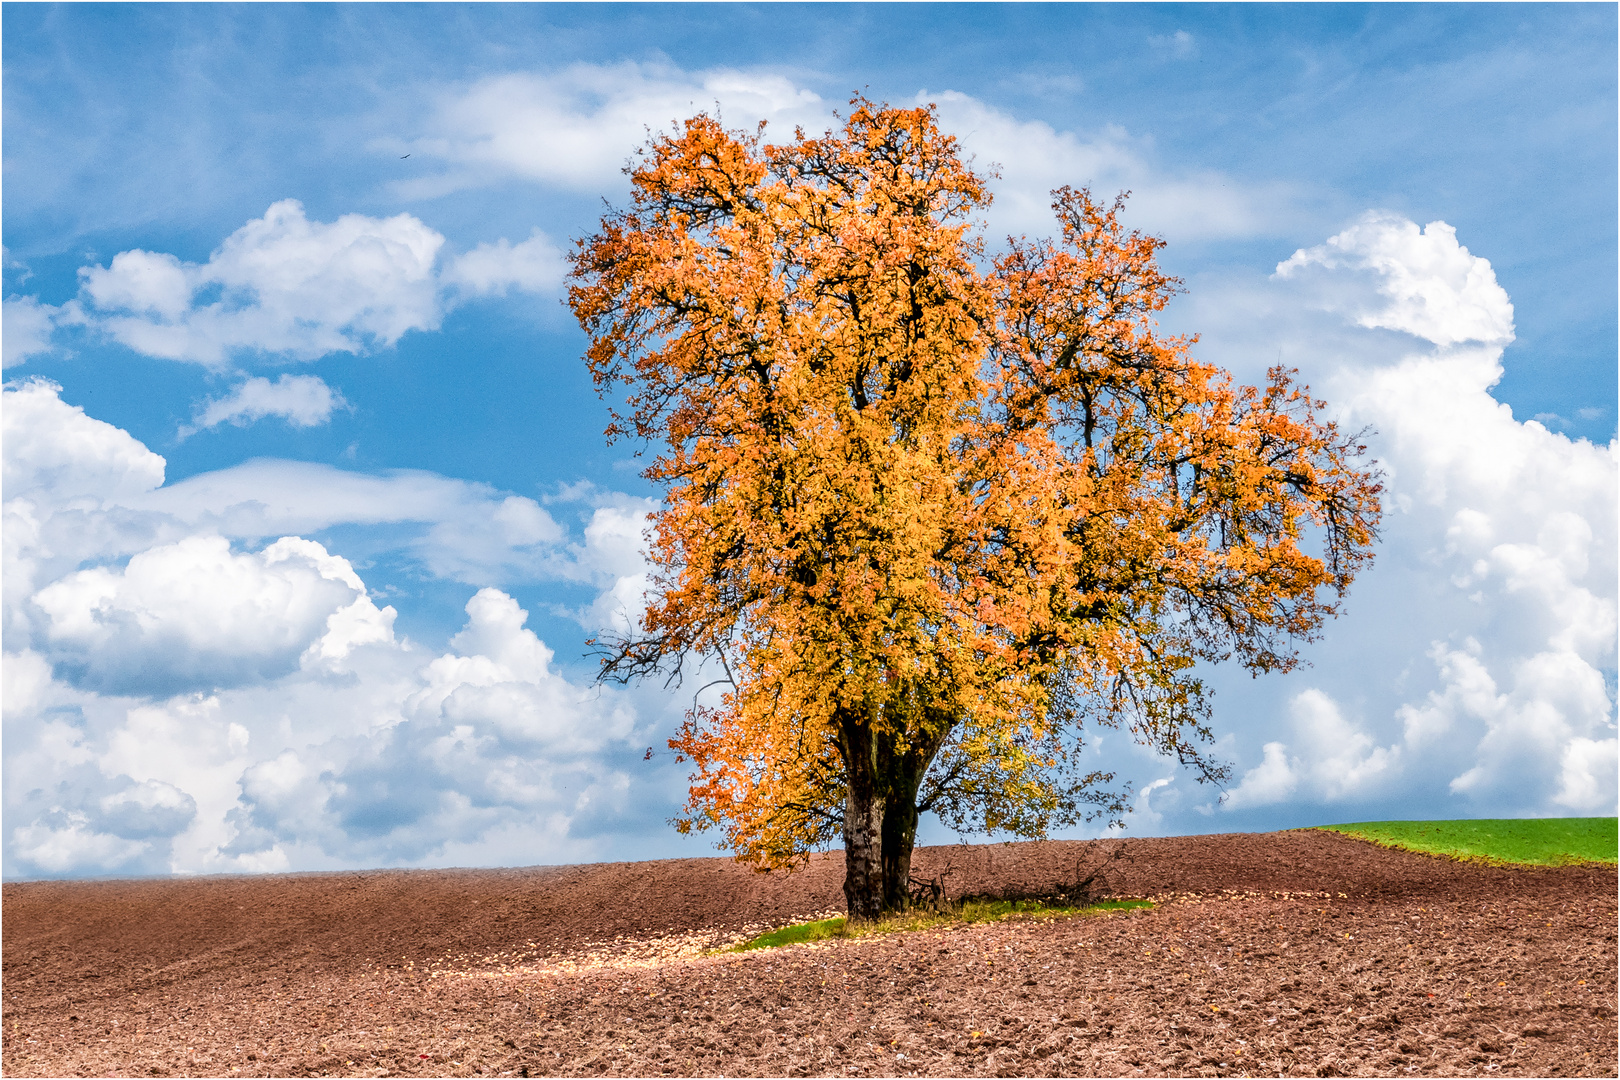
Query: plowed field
x=1300 y=953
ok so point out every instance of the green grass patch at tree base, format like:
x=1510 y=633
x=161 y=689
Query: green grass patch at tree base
x=967 y=911
x=795 y=935
x=1500 y=841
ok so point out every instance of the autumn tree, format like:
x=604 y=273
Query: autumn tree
x=936 y=515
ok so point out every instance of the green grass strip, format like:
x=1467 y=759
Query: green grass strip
x=1517 y=841
x=970 y=911
x=794 y=935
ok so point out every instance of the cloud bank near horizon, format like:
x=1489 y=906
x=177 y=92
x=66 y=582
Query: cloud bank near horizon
x=274 y=718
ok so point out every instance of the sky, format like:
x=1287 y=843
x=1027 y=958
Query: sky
x=308 y=513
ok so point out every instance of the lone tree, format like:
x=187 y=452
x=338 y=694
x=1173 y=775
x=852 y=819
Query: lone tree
x=936 y=516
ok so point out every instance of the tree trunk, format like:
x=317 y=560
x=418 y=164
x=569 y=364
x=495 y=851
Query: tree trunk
x=903 y=776
x=863 y=822
x=899 y=835
x=880 y=813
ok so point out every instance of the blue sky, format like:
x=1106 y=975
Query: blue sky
x=308 y=512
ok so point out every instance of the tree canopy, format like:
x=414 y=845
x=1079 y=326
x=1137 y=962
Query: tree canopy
x=936 y=513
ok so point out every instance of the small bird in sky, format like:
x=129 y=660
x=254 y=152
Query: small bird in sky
x=402 y=157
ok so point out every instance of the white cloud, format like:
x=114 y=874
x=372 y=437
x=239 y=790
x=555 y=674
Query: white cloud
x=1145 y=817
x=1426 y=283
x=1480 y=649
x=186 y=743
x=281 y=284
x=1268 y=783
x=1333 y=760
x=80 y=491
x=267 y=496
x=1034 y=158
x=175 y=701
x=577 y=127
x=25 y=329
x=534 y=266
x=147 y=282
x=53 y=447
x=1587 y=782
x=66 y=844
x=396 y=760
x=616 y=538
x=482 y=739
x=514 y=533
x=1341 y=758
x=1467 y=692
x=614 y=558
x=287 y=287
x=617 y=610
x=499 y=680
x=467 y=531
x=302 y=400
x=24 y=681
x=194 y=615
x=152 y=808
x=1553 y=704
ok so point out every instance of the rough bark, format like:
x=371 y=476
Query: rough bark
x=863 y=822
x=880 y=812
x=899 y=837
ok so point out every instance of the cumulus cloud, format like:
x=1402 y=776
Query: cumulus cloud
x=190 y=686
x=80 y=490
x=65 y=842
x=1587 y=782
x=65 y=475
x=87 y=821
x=287 y=287
x=1146 y=817
x=1423 y=281
x=53 y=448
x=149 y=809
x=1333 y=758
x=485 y=741
x=614 y=557
x=301 y=400
x=1479 y=651
x=194 y=615
x=393 y=761
x=281 y=284
x=492 y=730
x=498 y=679
x=1271 y=781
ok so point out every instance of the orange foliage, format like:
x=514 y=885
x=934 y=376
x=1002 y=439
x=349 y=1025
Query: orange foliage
x=933 y=514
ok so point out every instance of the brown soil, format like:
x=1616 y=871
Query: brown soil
x=1300 y=953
